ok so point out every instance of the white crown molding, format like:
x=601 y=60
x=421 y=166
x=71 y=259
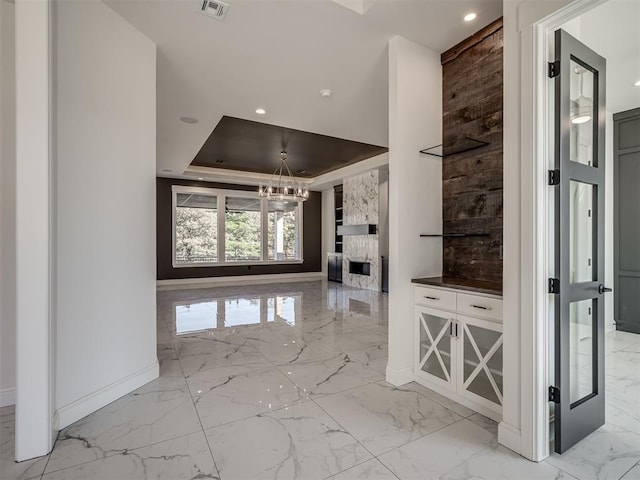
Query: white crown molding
x=223 y=175
x=321 y=182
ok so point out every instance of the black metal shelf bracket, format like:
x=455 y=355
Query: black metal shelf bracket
x=454 y=235
x=466 y=145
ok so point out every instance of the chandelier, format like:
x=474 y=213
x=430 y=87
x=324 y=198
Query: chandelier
x=283 y=185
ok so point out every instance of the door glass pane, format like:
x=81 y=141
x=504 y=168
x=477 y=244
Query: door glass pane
x=581 y=349
x=282 y=230
x=438 y=360
x=242 y=229
x=580 y=232
x=582 y=112
x=196 y=232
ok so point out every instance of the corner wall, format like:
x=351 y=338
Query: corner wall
x=7 y=205
x=105 y=208
x=415 y=190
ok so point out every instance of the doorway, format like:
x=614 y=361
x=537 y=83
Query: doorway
x=592 y=354
x=626 y=159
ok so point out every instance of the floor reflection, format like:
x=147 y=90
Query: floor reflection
x=198 y=316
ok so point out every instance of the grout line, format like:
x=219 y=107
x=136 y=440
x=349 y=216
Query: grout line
x=632 y=467
x=350 y=434
x=206 y=439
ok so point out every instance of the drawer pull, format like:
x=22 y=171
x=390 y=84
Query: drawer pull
x=480 y=307
x=431 y=298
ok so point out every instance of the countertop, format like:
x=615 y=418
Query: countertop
x=479 y=286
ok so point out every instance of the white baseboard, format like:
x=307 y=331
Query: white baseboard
x=240 y=280
x=399 y=377
x=510 y=437
x=7 y=397
x=74 y=411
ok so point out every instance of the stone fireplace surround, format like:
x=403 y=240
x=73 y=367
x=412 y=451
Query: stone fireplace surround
x=360 y=206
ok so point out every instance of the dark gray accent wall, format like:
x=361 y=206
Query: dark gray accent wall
x=311 y=237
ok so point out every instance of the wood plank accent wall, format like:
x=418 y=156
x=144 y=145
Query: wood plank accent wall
x=472 y=181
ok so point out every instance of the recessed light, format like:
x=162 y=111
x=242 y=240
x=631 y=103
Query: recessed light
x=200 y=178
x=326 y=93
x=260 y=111
x=470 y=17
x=637 y=84
x=190 y=120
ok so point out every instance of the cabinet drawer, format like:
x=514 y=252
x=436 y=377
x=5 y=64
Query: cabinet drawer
x=480 y=306
x=432 y=297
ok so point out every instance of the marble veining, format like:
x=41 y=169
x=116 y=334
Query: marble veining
x=299 y=442
x=301 y=395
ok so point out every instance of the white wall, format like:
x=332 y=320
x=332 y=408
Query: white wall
x=7 y=206
x=415 y=189
x=105 y=209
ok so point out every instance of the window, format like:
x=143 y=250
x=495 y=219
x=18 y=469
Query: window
x=248 y=230
x=282 y=231
x=196 y=232
x=243 y=229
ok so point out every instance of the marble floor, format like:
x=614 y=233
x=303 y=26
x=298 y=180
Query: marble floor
x=286 y=381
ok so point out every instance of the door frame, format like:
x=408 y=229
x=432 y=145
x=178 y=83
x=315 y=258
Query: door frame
x=537 y=129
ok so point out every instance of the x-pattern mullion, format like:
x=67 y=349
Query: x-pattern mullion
x=482 y=365
x=434 y=343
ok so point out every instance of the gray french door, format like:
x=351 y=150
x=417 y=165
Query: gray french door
x=579 y=244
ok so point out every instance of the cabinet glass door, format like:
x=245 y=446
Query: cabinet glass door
x=481 y=358
x=434 y=350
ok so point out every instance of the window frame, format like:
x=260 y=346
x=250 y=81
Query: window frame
x=221 y=200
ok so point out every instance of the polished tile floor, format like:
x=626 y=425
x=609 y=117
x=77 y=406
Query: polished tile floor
x=285 y=381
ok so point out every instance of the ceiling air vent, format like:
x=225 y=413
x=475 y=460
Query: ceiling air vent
x=215 y=9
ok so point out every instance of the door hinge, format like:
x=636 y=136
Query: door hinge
x=554 y=177
x=554 y=395
x=554 y=285
x=554 y=69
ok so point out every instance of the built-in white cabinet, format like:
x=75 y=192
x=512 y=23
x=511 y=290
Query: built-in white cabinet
x=458 y=347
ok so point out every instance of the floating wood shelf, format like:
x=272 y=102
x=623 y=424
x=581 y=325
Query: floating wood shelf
x=465 y=145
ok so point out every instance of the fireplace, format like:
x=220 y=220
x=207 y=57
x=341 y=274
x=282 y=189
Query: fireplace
x=360 y=268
